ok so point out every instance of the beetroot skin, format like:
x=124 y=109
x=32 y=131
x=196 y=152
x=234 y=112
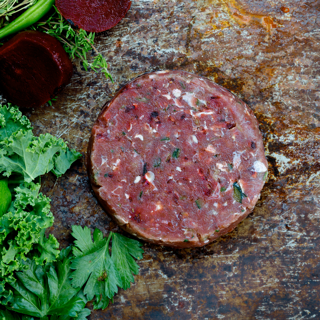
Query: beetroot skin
x=94 y=15
x=34 y=67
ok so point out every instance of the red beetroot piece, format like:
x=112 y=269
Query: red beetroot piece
x=176 y=159
x=94 y=15
x=34 y=67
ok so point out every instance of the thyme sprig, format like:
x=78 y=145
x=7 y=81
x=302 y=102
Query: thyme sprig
x=10 y=7
x=76 y=42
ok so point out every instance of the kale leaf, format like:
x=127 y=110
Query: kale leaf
x=24 y=154
x=22 y=229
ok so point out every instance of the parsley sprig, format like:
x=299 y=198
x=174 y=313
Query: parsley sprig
x=104 y=273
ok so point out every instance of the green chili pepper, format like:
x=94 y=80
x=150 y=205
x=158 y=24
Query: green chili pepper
x=29 y=17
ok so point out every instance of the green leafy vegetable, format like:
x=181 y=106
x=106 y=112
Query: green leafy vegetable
x=31 y=156
x=77 y=43
x=223 y=189
x=5 y=197
x=23 y=153
x=23 y=158
x=22 y=230
x=12 y=120
x=238 y=195
x=46 y=290
x=101 y=273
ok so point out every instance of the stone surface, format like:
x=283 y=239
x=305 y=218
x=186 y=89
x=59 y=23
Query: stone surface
x=267 y=52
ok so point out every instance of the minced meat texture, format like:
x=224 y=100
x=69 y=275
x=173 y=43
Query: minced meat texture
x=176 y=159
x=34 y=67
x=93 y=15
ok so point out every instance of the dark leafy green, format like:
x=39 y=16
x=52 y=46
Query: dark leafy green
x=24 y=154
x=22 y=229
x=41 y=291
x=99 y=273
x=5 y=197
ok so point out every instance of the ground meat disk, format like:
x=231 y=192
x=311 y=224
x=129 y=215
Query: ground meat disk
x=176 y=159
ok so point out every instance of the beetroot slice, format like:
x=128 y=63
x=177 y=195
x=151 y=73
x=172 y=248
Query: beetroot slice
x=94 y=15
x=33 y=68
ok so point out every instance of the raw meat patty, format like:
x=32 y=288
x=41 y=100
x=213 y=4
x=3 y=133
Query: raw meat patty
x=34 y=68
x=176 y=159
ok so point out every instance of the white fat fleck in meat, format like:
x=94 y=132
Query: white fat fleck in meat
x=176 y=93
x=113 y=192
x=149 y=128
x=103 y=160
x=177 y=135
x=241 y=185
x=225 y=204
x=216 y=205
x=190 y=99
x=127 y=196
x=237 y=159
x=178 y=169
x=211 y=149
x=158 y=206
x=139 y=136
x=213 y=212
x=124 y=180
x=141 y=117
x=199 y=114
x=258 y=166
x=130 y=127
x=222 y=166
x=162 y=71
x=167 y=96
x=150 y=176
x=137 y=179
x=178 y=104
x=194 y=138
x=115 y=165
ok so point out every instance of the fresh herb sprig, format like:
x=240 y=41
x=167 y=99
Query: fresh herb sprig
x=76 y=42
x=10 y=7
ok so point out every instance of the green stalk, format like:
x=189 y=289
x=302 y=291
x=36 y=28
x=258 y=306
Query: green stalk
x=29 y=17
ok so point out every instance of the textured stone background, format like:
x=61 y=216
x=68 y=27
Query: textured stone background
x=267 y=52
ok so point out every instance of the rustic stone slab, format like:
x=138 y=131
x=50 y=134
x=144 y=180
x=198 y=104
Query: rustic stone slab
x=267 y=53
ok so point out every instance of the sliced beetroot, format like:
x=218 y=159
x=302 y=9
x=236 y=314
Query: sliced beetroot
x=94 y=15
x=33 y=68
